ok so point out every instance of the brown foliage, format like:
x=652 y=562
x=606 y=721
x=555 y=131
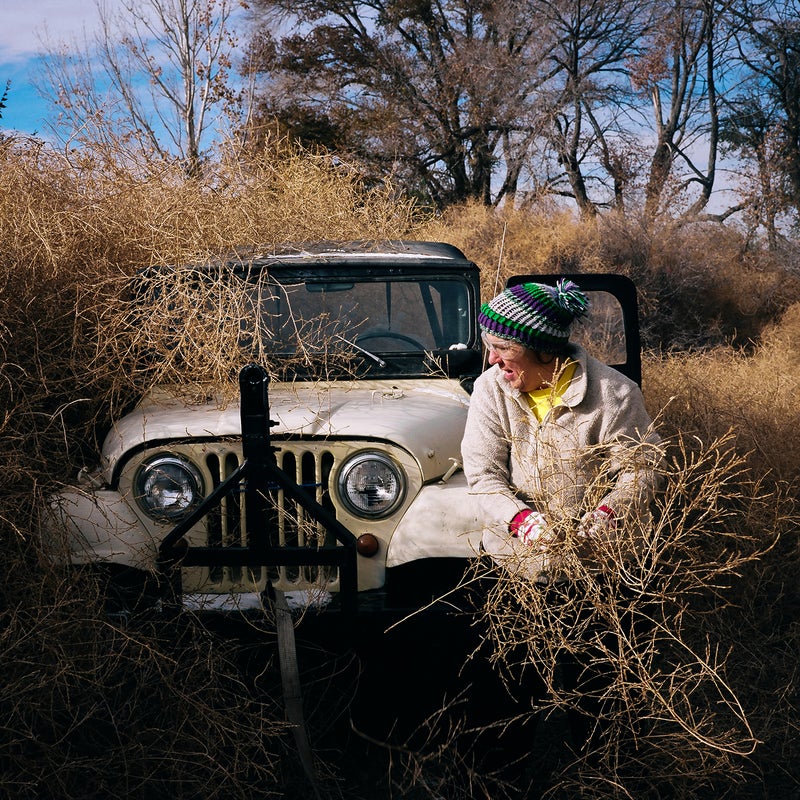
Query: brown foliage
x=92 y=708
x=699 y=285
x=141 y=713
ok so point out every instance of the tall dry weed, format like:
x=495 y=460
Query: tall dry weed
x=750 y=397
x=698 y=285
x=73 y=237
x=91 y=708
x=663 y=651
x=518 y=242
x=126 y=713
x=668 y=708
x=95 y=709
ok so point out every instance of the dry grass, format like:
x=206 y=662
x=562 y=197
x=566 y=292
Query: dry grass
x=73 y=237
x=89 y=709
x=518 y=242
x=752 y=399
x=94 y=709
x=699 y=286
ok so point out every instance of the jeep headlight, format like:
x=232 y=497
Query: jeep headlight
x=168 y=487
x=371 y=484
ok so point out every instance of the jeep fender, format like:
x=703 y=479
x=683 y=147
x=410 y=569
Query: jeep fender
x=99 y=526
x=443 y=521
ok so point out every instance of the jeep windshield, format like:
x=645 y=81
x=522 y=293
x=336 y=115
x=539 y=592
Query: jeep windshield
x=388 y=316
x=320 y=311
x=375 y=325
x=331 y=311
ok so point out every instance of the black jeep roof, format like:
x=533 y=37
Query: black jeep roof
x=354 y=254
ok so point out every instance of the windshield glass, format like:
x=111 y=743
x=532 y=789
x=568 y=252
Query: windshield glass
x=202 y=324
x=380 y=316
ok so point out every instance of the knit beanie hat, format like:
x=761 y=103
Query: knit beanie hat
x=534 y=314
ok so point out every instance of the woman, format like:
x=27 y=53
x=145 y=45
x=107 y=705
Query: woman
x=561 y=451
x=556 y=442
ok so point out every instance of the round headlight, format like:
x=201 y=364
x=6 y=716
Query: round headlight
x=371 y=485
x=168 y=487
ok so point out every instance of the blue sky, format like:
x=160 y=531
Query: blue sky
x=27 y=28
x=24 y=26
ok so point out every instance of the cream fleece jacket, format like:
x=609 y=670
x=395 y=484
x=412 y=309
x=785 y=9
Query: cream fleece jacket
x=597 y=448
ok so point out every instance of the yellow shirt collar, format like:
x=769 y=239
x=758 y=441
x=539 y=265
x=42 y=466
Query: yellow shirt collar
x=541 y=401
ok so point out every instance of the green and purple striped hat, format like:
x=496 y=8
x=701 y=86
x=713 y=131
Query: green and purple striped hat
x=535 y=315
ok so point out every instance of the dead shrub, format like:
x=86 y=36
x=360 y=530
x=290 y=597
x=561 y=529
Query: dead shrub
x=699 y=285
x=753 y=395
x=92 y=708
x=514 y=242
x=663 y=702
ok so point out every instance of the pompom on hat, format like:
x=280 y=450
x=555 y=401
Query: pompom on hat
x=536 y=315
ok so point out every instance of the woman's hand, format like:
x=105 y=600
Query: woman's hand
x=531 y=528
x=599 y=525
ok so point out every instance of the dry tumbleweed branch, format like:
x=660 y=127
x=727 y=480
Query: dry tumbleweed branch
x=633 y=619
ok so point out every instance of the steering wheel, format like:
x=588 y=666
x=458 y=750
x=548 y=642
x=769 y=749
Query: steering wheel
x=382 y=333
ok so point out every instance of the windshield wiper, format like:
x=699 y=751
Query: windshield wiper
x=379 y=361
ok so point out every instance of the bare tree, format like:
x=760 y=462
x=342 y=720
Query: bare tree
x=155 y=79
x=603 y=102
x=764 y=123
x=750 y=130
x=440 y=95
x=591 y=103
x=680 y=73
x=458 y=99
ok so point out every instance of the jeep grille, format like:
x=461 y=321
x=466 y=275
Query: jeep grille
x=290 y=524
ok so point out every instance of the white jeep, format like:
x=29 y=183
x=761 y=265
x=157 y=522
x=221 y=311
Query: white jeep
x=336 y=477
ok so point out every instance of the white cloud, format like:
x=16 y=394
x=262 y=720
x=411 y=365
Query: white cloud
x=24 y=26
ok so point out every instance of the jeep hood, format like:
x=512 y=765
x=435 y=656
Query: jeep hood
x=425 y=417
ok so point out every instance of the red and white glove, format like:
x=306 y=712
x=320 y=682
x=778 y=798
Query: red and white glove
x=530 y=527
x=600 y=524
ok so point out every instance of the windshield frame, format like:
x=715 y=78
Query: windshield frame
x=372 y=358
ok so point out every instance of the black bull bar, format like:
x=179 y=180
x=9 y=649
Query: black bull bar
x=258 y=477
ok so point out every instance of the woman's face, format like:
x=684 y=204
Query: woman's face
x=521 y=367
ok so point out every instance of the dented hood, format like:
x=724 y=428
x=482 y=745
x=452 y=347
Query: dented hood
x=424 y=416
